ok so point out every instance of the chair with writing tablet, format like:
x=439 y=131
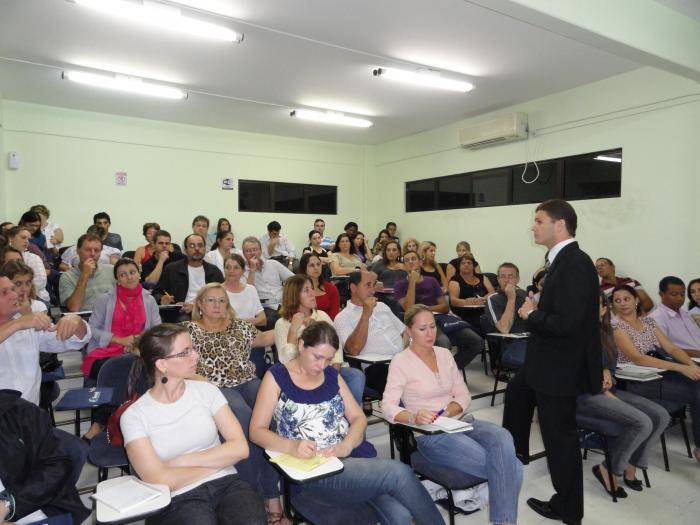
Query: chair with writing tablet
x=127 y=499
x=449 y=478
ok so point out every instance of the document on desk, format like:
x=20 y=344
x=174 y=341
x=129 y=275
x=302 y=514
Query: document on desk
x=448 y=425
x=126 y=496
x=328 y=467
x=305 y=465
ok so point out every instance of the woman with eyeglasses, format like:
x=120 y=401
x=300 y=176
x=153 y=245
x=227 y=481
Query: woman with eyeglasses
x=223 y=343
x=117 y=318
x=172 y=437
x=640 y=340
x=315 y=414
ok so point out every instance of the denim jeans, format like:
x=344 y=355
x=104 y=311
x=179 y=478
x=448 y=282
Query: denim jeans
x=642 y=422
x=389 y=486
x=355 y=379
x=255 y=469
x=675 y=387
x=487 y=451
x=223 y=501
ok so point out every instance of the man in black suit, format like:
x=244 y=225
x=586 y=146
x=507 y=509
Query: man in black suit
x=563 y=359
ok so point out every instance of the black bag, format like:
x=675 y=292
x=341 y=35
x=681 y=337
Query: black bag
x=450 y=323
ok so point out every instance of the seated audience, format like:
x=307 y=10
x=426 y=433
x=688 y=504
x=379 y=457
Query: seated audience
x=22 y=276
x=297 y=312
x=370 y=327
x=320 y=227
x=18 y=238
x=315 y=247
x=424 y=383
x=5 y=227
x=117 y=319
x=200 y=226
x=53 y=232
x=410 y=245
x=380 y=241
x=362 y=248
x=315 y=414
x=180 y=281
x=32 y=221
x=277 y=246
x=8 y=253
x=502 y=308
x=223 y=246
x=420 y=289
x=468 y=289
x=638 y=338
x=161 y=255
x=391 y=229
x=678 y=325
x=108 y=254
x=222 y=225
x=641 y=421
x=35 y=473
x=608 y=280
x=111 y=239
x=144 y=253
x=327 y=296
x=389 y=268
x=694 y=300
x=429 y=266
x=344 y=259
x=453 y=266
x=80 y=286
x=172 y=437
x=267 y=276
x=242 y=296
x=22 y=338
x=351 y=229
x=223 y=342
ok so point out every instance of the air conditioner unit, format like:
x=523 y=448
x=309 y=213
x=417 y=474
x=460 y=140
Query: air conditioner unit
x=497 y=131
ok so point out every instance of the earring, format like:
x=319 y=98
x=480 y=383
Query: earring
x=164 y=379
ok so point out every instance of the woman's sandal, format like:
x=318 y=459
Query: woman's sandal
x=277 y=518
x=634 y=484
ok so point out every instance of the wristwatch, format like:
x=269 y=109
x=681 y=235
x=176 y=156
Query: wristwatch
x=9 y=501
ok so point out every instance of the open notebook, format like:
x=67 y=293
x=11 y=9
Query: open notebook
x=126 y=496
x=446 y=424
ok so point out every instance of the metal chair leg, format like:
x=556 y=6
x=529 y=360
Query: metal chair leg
x=451 y=503
x=497 y=376
x=684 y=431
x=646 y=478
x=665 y=452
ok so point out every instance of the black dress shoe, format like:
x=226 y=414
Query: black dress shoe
x=634 y=484
x=543 y=509
x=572 y=522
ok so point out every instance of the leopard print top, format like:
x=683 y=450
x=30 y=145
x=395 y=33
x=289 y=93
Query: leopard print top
x=224 y=357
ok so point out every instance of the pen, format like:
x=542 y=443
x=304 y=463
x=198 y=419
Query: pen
x=440 y=412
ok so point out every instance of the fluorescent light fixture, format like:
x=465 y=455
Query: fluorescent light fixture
x=608 y=159
x=163 y=16
x=423 y=77
x=117 y=82
x=330 y=117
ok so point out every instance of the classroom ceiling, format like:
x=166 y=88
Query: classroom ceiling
x=299 y=54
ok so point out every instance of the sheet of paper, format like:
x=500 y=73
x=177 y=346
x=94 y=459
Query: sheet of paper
x=127 y=495
x=305 y=465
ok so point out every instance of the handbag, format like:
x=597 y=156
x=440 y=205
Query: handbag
x=450 y=323
x=114 y=431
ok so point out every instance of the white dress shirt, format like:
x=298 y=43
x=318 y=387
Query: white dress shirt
x=384 y=332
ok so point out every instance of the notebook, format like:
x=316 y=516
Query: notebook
x=637 y=372
x=305 y=465
x=126 y=496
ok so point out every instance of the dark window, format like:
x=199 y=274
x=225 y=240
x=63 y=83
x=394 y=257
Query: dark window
x=284 y=197
x=588 y=176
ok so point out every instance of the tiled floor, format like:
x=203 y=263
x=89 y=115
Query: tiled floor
x=674 y=497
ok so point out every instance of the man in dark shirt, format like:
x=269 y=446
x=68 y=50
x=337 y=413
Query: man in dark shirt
x=502 y=309
x=112 y=239
x=152 y=269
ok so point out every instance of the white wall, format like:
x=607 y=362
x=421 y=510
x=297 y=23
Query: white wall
x=69 y=161
x=649 y=232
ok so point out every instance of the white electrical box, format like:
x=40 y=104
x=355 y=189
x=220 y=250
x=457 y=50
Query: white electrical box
x=13 y=160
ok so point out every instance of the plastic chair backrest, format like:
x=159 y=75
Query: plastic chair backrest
x=115 y=373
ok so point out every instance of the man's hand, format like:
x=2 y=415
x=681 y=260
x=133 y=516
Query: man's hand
x=527 y=307
x=510 y=291
x=167 y=299
x=67 y=327
x=163 y=256
x=38 y=321
x=87 y=267
x=187 y=308
x=368 y=305
x=253 y=264
x=413 y=277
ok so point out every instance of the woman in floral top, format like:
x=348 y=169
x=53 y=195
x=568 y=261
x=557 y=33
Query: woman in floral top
x=223 y=344
x=636 y=337
x=315 y=414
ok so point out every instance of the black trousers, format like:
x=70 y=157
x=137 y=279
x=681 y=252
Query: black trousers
x=557 y=415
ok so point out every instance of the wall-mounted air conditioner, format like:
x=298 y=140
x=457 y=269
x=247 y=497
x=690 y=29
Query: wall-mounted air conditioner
x=497 y=131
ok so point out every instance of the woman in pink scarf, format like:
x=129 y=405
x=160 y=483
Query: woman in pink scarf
x=118 y=317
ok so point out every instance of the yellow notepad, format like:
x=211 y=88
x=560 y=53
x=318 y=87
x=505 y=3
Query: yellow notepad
x=305 y=465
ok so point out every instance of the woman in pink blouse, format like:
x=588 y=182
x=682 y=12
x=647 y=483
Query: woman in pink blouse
x=426 y=379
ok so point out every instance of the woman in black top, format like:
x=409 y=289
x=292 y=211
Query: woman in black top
x=453 y=266
x=467 y=290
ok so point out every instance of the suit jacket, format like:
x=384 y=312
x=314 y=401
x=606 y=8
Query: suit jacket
x=564 y=351
x=176 y=280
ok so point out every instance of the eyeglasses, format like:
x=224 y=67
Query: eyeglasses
x=184 y=353
x=192 y=245
x=214 y=300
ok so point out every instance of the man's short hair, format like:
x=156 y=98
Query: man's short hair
x=350 y=225
x=200 y=218
x=96 y=230
x=184 y=244
x=251 y=238
x=508 y=265
x=559 y=209
x=390 y=223
x=101 y=215
x=354 y=278
x=319 y=220
x=274 y=226
x=162 y=233
x=668 y=280
x=85 y=237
